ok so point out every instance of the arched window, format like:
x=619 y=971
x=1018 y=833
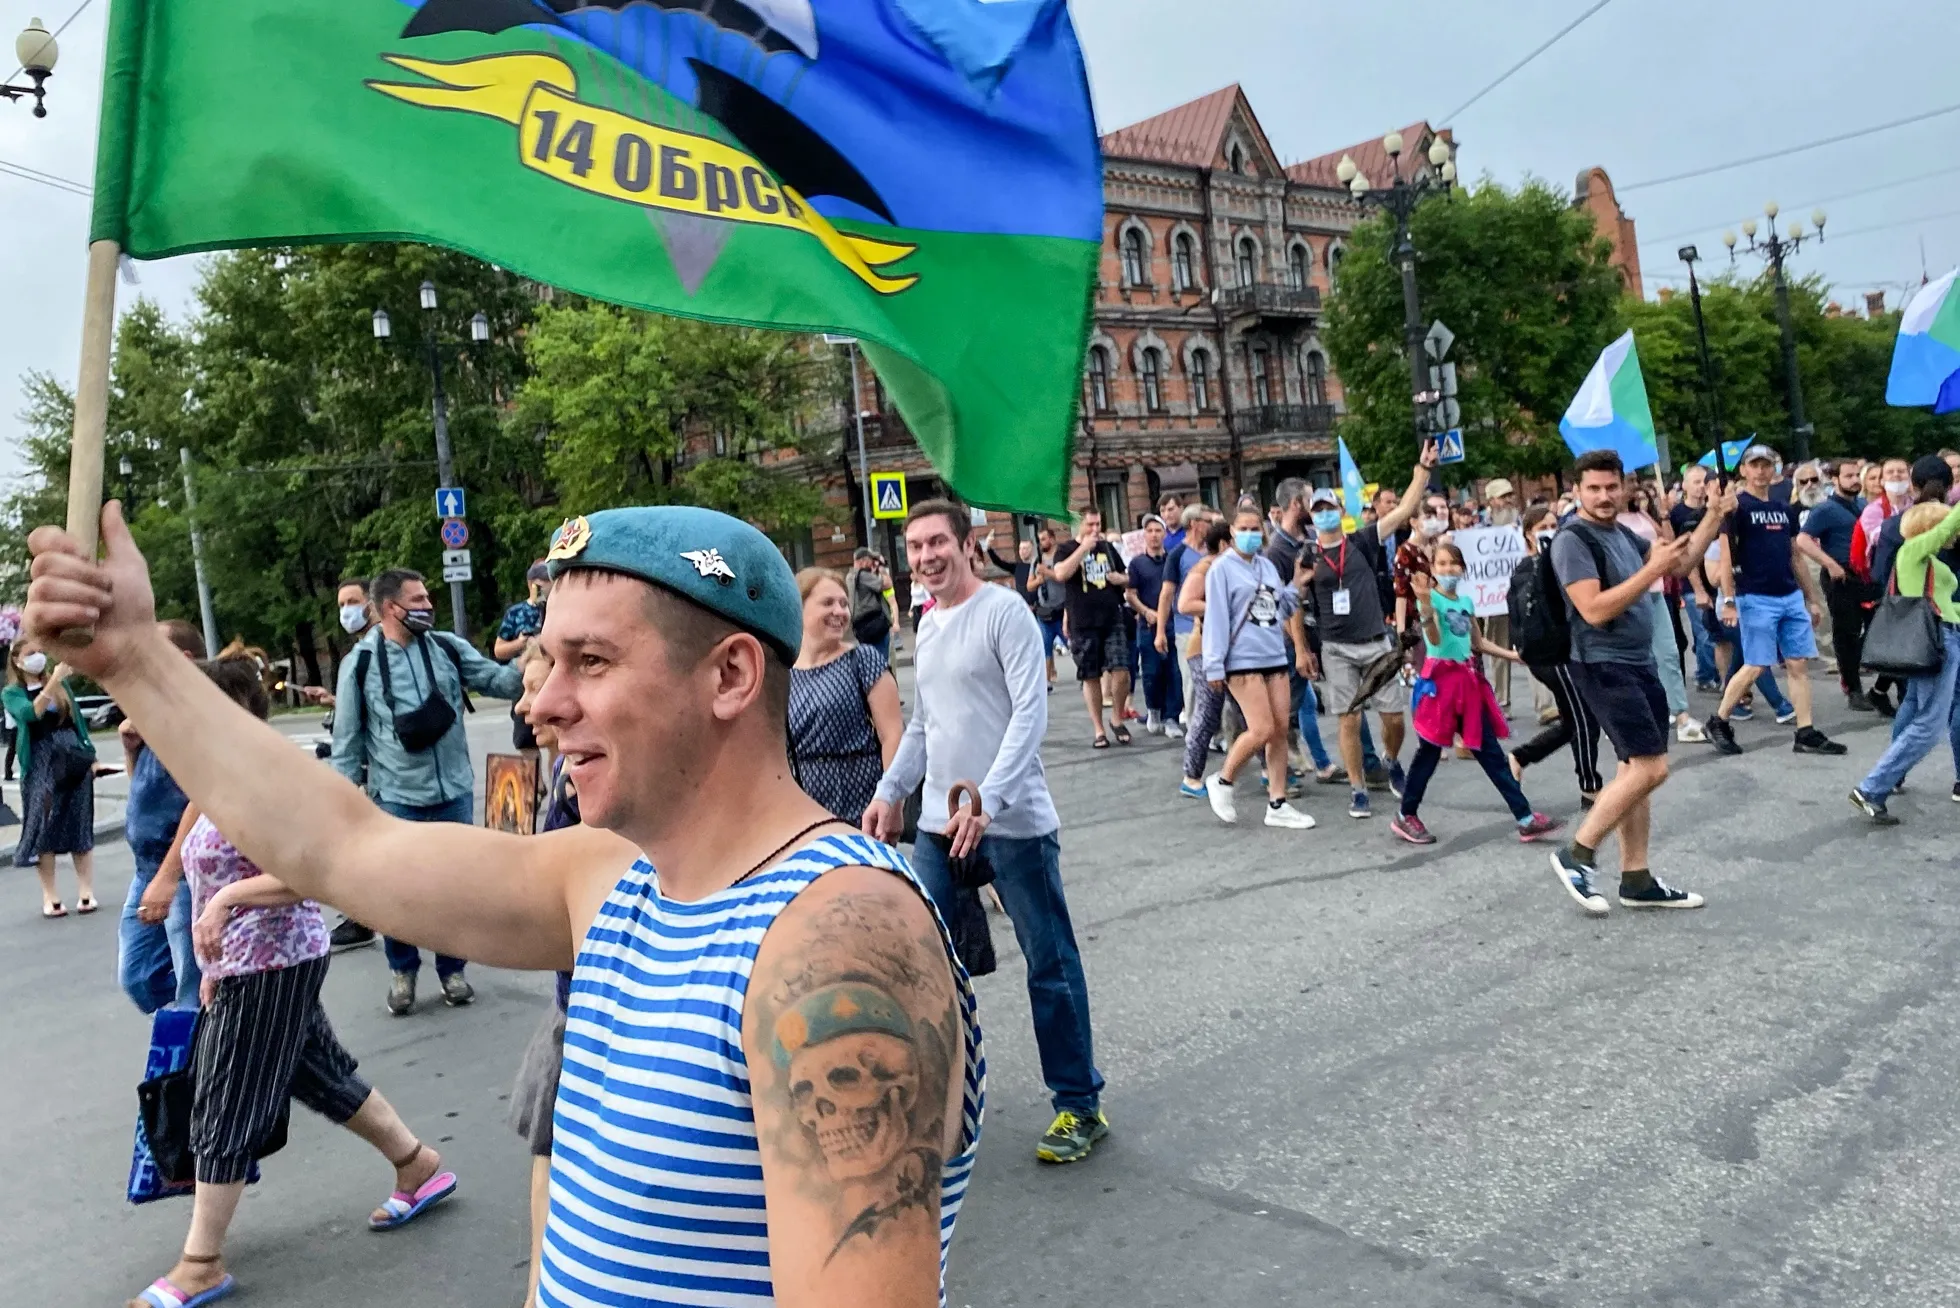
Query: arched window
x=1297 y=262
x=1099 y=379
x=1334 y=257
x=1136 y=261
x=1262 y=389
x=1201 y=380
x=1184 y=262
x=1152 y=376
x=1248 y=261
x=1237 y=158
x=1316 y=377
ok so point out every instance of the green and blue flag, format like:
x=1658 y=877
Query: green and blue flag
x=1610 y=411
x=923 y=175
x=1926 y=357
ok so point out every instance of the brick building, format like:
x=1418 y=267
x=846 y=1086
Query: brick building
x=1205 y=373
x=1594 y=194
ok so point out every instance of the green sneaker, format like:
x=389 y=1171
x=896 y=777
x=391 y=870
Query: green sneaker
x=1071 y=1136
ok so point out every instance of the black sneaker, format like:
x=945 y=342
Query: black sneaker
x=350 y=935
x=1658 y=894
x=1071 y=1136
x=1379 y=778
x=401 y=994
x=1721 y=735
x=1812 y=741
x=1956 y=792
x=1577 y=878
x=1886 y=708
x=1875 y=808
x=1858 y=702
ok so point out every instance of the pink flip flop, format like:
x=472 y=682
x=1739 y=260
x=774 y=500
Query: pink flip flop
x=162 y=1294
x=403 y=1207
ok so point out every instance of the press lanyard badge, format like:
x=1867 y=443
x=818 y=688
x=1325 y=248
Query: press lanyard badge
x=1342 y=605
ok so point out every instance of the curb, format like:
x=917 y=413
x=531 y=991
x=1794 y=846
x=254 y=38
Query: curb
x=105 y=831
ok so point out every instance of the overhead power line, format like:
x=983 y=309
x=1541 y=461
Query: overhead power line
x=1822 y=199
x=54 y=183
x=1790 y=150
x=1504 y=77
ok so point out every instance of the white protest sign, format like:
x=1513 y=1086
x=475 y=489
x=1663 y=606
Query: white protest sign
x=1131 y=544
x=1489 y=556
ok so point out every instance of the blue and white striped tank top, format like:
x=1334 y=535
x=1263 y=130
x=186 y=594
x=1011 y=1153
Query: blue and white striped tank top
x=656 y=1180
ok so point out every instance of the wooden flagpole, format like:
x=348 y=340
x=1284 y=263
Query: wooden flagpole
x=92 y=407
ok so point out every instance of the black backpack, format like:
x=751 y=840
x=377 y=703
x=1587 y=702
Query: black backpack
x=1541 y=625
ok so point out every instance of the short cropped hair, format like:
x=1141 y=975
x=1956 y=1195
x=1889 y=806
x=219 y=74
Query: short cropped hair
x=185 y=637
x=956 y=517
x=1599 y=461
x=389 y=584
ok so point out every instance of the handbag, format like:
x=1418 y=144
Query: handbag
x=422 y=727
x=1904 y=638
x=971 y=871
x=161 y=1162
x=70 y=762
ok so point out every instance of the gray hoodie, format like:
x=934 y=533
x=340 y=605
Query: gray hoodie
x=1245 y=603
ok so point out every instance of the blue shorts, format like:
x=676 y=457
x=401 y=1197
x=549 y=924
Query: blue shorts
x=1774 y=628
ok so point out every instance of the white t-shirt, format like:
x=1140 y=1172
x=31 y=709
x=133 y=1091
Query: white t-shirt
x=981 y=691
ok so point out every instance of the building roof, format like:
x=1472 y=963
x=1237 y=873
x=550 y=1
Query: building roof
x=1369 y=157
x=1191 y=135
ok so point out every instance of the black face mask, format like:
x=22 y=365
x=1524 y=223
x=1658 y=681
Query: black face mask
x=419 y=620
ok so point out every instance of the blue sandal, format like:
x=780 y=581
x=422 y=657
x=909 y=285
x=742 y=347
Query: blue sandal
x=162 y=1294
x=403 y=1207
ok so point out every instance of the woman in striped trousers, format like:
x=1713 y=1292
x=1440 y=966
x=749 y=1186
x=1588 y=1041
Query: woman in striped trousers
x=262 y=1040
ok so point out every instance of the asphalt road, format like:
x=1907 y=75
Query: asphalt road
x=1342 y=1071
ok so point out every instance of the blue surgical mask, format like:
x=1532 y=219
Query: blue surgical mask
x=1248 y=542
x=1446 y=583
x=1327 y=519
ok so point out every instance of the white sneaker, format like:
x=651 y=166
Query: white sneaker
x=1689 y=732
x=1288 y=816
x=1223 y=803
x=1154 y=724
x=1173 y=732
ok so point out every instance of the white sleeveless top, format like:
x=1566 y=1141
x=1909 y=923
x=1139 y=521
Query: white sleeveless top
x=656 y=1180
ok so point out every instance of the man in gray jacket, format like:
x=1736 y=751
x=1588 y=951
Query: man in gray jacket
x=398 y=733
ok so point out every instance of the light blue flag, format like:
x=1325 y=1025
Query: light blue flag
x=1350 y=483
x=1731 y=453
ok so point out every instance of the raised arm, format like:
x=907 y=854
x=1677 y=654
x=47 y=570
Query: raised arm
x=500 y=899
x=1404 y=512
x=852 y=1019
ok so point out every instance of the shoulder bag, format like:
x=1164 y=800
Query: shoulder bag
x=1904 y=638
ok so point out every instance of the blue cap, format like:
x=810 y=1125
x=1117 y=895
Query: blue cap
x=721 y=563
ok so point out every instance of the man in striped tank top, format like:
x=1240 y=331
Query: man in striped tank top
x=773 y=1076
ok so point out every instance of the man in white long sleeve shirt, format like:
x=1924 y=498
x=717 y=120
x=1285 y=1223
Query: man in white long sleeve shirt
x=980 y=713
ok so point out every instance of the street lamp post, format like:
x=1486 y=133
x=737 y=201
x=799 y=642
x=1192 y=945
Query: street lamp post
x=434 y=345
x=1690 y=256
x=1400 y=199
x=37 y=50
x=1776 y=249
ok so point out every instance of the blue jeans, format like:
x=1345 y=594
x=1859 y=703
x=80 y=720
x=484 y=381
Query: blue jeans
x=1163 y=687
x=1765 y=681
x=1028 y=877
x=1700 y=622
x=1925 y=710
x=1051 y=634
x=1306 y=712
x=883 y=646
x=405 y=957
x=156 y=965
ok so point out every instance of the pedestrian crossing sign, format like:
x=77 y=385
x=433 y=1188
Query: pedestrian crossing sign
x=888 y=499
x=1449 y=446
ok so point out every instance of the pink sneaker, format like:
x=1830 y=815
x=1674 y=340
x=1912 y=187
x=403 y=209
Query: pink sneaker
x=1411 y=829
x=1537 y=827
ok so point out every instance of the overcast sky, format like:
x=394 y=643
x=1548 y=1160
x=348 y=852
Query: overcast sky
x=1644 y=88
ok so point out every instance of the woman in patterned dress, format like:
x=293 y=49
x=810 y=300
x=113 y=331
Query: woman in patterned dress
x=844 y=718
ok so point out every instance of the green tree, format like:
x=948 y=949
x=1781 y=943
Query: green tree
x=641 y=409
x=1521 y=278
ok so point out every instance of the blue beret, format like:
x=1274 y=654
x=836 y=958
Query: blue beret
x=721 y=563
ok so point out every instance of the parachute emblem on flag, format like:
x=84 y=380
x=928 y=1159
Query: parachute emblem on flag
x=607 y=153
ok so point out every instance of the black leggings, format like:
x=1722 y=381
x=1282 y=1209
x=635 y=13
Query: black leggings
x=1576 y=726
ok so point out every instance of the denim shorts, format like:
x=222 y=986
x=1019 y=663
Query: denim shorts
x=1774 y=628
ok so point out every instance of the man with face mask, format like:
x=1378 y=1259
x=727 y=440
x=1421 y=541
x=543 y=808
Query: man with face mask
x=399 y=735
x=1831 y=523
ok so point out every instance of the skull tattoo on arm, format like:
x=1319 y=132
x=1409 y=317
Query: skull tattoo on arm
x=864 y=1053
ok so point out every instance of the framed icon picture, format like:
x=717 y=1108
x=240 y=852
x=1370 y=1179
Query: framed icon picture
x=510 y=793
